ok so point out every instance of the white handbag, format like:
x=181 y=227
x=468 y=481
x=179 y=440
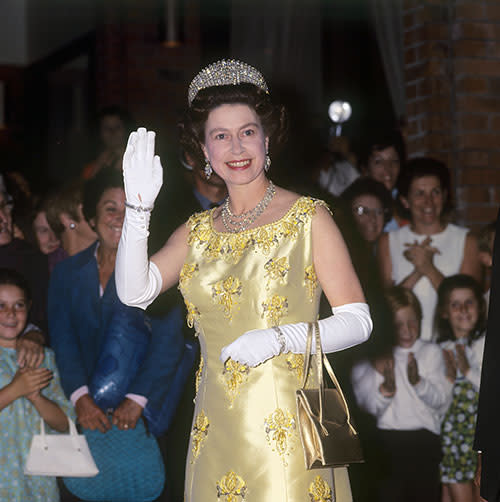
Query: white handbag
x=60 y=454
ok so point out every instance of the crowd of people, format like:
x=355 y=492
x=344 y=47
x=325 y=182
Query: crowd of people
x=250 y=265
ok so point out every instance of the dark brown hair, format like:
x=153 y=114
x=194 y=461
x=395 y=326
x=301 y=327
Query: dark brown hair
x=458 y=281
x=192 y=127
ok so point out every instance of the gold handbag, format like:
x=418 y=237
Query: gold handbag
x=326 y=431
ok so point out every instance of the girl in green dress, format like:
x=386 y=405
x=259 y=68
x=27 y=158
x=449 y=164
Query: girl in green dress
x=460 y=320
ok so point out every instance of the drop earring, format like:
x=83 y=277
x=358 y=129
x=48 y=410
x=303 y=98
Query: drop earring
x=207 y=169
x=267 y=163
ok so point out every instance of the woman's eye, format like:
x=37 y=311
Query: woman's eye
x=220 y=136
x=20 y=306
x=248 y=132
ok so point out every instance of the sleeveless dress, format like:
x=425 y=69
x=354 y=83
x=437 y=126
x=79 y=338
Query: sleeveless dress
x=245 y=445
x=451 y=244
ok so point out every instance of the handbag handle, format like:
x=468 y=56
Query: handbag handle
x=72 y=432
x=321 y=360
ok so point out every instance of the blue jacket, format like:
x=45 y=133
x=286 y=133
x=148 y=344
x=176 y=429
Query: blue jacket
x=78 y=318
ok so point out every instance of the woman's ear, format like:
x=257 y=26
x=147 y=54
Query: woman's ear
x=66 y=220
x=204 y=150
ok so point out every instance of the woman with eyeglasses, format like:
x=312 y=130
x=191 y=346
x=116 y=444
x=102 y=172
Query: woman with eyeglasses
x=370 y=204
x=420 y=255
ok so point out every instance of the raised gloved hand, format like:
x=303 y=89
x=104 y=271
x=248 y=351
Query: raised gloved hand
x=142 y=170
x=349 y=325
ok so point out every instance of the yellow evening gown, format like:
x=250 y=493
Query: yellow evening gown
x=245 y=445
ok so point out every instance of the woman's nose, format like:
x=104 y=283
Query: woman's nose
x=236 y=146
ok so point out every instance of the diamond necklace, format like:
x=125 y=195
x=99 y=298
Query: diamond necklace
x=239 y=222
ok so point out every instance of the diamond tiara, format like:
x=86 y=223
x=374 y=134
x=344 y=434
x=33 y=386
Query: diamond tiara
x=225 y=72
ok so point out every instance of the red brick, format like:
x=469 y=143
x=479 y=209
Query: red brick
x=473 y=48
x=478 y=140
x=492 y=11
x=473 y=158
x=473 y=103
x=411 y=91
x=481 y=214
x=473 y=121
x=495 y=122
x=478 y=30
x=413 y=127
x=473 y=195
x=437 y=31
x=414 y=36
x=472 y=84
x=479 y=176
x=471 y=66
x=439 y=141
x=415 y=72
x=494 y=159
x=469 y=10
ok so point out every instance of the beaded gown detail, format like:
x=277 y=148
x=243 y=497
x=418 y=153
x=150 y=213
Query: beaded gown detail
x=245 y=444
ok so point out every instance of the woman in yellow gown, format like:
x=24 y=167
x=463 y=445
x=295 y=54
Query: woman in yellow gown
x=251 y=272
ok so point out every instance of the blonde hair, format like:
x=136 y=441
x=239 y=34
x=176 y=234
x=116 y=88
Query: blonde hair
x=398 y=297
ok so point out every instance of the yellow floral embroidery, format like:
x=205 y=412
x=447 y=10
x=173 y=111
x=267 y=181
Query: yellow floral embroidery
x=233 y=375
x=230 y=247
x=320 y=491
x=199 y=433
x=280 y=429
x=295 y=363
x=193 y=314
x=187 y=273
x=276 y=269
x=232 y=488
x=274 y=309
x=225 y=293
x=199 y=372
x=311 y=281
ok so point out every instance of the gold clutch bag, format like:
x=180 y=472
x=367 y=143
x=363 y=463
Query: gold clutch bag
x=326 y=431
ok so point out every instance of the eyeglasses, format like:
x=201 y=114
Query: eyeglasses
x=366 y=211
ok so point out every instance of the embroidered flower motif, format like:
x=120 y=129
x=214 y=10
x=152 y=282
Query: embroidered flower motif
x=295 y=363
x=274 y=309
x=320 y=491
x=311 y=281
x=230 y=247
x=187 y=273
x=232 y=488
x=199 y=433
x=234 y=375
x=276 y=269
x=225 y=293
x=197 y=381
x=280 y=428
x=193 y=314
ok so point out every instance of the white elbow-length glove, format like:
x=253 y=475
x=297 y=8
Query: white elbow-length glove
x=138 y=281
x=349 y=325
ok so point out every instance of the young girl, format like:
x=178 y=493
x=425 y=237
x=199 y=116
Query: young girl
x=26 y=394
x=406 y=392
x=460 y=322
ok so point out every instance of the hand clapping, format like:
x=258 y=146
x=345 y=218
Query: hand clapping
x=413 y=375
x=421 y=254
x=142 y=170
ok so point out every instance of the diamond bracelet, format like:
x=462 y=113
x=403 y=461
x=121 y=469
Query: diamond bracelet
x=139 y=209
x=281 y=339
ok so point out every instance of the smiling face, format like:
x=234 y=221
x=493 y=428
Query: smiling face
x=384 y=166
x=462 y=311
x=108 y=221
x=235 y=143
x=425 y=200
x=5 y=220
x=46 y=238
x=407 y=327
x=13 y=314
x=369 y=216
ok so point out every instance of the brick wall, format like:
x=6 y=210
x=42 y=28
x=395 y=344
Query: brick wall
x=452 y=72
x=136 y=70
